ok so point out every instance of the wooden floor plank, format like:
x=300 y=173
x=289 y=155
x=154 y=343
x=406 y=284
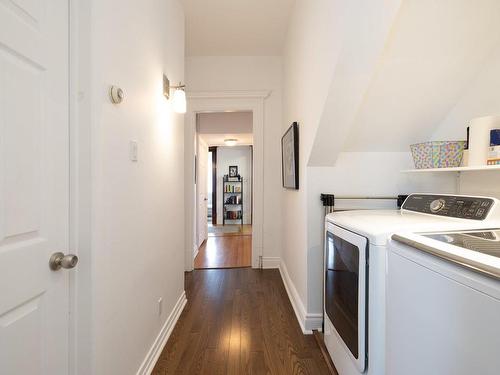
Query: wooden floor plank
x=226 y=251
x=239 y=321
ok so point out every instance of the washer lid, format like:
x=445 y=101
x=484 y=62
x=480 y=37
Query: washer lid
x=482 y=241
x=451 y=247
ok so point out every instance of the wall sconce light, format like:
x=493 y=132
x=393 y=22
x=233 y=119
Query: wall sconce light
x=230 y=141
x=178 y=96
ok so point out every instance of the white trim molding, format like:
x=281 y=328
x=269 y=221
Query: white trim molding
x=161 y=340
x=231 y=94
x=271 y=262
x=307 y=321
x=220 y=101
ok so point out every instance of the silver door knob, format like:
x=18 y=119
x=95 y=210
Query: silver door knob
x=59 y=260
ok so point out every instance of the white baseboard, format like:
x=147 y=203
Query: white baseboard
x=271 y=262
x=154 y=353
x=307 y=321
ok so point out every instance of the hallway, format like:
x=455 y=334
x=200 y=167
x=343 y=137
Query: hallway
x=238 y=321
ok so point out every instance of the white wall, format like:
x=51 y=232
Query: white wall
x=337 y=53
x=479 y=99
x=330 y=55
x=226 y=73
x=242 y=157
x=312 y=46
x=137 y=213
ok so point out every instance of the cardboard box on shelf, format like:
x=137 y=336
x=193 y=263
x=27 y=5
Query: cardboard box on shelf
x=493 y=152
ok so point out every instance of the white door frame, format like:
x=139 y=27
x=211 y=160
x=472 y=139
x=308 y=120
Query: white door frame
x=221 y=101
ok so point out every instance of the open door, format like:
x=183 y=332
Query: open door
x=34 y=187
x=201 y=187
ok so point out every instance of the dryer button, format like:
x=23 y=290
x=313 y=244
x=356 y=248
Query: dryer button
x=437 y=205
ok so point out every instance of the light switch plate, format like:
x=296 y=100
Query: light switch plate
x=134 y=151
x=160 y=306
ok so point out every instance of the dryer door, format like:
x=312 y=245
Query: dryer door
x=346 y=290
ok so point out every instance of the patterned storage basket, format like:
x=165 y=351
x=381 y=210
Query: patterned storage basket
x=438 y=154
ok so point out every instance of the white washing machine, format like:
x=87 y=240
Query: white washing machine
x=355 y=270
x=443 y=303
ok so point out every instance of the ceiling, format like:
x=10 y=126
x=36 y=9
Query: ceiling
x=218 y=139
x=236 y=27
x=213 y=128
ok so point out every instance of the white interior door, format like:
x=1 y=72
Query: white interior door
x=34 y=189
x=202 y=190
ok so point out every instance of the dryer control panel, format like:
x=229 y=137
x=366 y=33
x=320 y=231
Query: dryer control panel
x=473 y=208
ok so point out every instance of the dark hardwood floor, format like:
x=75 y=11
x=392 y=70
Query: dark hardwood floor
x=239 y=321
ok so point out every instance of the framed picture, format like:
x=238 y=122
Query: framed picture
x=233 y=171
x=290 y=157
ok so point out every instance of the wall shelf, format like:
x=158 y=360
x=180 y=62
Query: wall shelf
x=478 y=168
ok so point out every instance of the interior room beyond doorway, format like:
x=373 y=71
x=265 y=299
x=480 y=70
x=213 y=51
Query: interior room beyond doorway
x=224 y=185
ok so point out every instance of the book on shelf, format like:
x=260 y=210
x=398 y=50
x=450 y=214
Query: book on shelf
x=232 y=189
x=234 y=199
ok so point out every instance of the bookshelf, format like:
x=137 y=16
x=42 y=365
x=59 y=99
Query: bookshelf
x=232 y=199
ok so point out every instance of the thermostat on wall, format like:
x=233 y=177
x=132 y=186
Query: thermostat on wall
x=116 y=95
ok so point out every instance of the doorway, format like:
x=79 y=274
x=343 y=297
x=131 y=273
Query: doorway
x=224 y=186
x=223 y=101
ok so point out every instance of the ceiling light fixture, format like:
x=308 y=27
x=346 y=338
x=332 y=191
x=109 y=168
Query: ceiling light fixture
x=178 y=96
x=230 y=141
